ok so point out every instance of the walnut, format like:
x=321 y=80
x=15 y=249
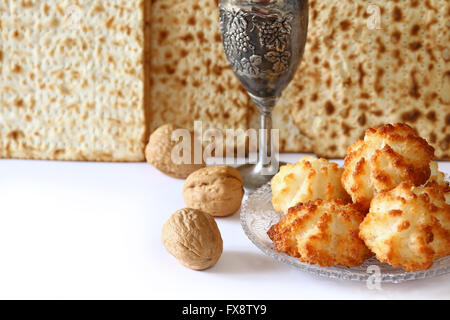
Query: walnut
x=216 y=190
x=193 y=238
x=159 y=153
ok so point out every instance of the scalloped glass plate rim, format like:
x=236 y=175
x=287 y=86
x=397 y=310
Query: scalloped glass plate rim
x=388 y=274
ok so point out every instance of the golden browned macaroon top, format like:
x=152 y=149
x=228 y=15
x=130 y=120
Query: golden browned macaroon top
x=408 y=226
x=387 y=156
x=309 y=179
x=322 y=232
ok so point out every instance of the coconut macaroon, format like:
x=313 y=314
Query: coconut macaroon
x=438 y=180
x=322 y=232
x=387 y=156
x=436 y=175
x=408 y=226
x=308 y=179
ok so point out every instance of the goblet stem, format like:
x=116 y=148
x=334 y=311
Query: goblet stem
x=265 y=138
x=267 y=165
x=267 y=159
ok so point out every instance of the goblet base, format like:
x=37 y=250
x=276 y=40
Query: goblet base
x=253 y=178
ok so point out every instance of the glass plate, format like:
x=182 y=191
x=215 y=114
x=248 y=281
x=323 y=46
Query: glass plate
x=258 y=215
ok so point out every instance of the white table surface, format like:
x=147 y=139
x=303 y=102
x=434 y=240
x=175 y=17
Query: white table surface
x=92 y=231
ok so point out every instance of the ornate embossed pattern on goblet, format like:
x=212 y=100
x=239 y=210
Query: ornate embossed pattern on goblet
x=273 y=32
x=264 y=42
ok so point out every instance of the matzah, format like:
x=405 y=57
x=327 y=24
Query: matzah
x=191 y=78
x=356 y=76
x=72 y=80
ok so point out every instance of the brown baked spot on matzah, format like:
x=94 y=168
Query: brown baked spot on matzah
x=433 y=137
x=378 y=81
x=431 y=54
x=170 y=69
x=358 y=10
x=201 y=38
x=16 y=69
x=447 y=119
x=109 y=24
x=16 y=34
x=345 y=112
x=162 y=36
x=414 y=46
x=26 y=4
x=445 y=144
x=187 y=38
x=329 y=108
x=362 y=74
x=314 y=14
x=415 y=89
x=377 y=113
x=431 y=116
x=346 y=128
x=381 y=46
x=429 y=99
x=58 y=152
x=19 y=103
x=397 y=14
x=396 y=36
x=345 y=25
x=300 y=104
x=362 y=120
x=429 y=6
x=16 y=134
x=365 y=95
x=183 y=53
x=191 y=21
x=315 y=46
x=397 y=55
x=347 y=83
x=415 y=30
x=411 y=115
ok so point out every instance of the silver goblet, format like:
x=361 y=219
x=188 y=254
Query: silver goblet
x=264 y=41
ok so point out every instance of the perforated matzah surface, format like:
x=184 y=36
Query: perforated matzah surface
x=72 y=80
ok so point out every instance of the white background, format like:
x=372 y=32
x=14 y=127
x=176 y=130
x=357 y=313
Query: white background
x=92 y=231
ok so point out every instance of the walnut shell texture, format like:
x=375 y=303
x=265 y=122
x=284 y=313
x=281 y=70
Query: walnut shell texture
x=387 y=156
x=159 y=153
x=216 y=190
x=193 y=238
x=408 y=226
